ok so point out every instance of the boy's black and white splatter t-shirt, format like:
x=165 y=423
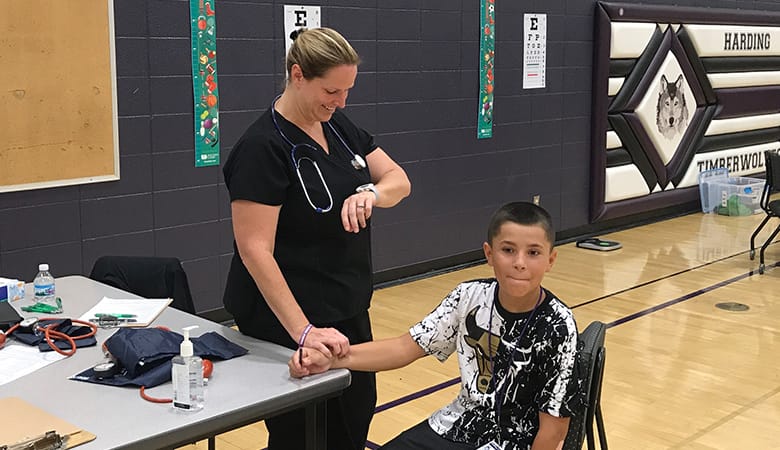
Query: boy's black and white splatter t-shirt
x=539 y=379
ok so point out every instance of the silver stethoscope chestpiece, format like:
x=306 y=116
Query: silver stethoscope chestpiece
x=358 y=162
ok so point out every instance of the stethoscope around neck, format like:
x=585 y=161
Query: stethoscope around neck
x=357 y=161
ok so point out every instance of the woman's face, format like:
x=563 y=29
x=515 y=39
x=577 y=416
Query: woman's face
x=321 y=96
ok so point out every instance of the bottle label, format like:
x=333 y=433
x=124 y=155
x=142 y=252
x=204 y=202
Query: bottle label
x=181 y=386
x=44 y=290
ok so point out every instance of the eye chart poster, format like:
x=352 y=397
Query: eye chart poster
x=535 y=50
x=297 y=17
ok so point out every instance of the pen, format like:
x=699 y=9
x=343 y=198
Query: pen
x=118 y=316
x=110 y=320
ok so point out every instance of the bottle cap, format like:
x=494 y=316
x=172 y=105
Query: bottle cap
x=186 y=345
x=43 y=267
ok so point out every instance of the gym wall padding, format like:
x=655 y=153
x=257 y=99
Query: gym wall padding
x=679 y=90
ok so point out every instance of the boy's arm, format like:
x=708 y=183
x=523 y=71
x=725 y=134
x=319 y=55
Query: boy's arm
x=371 y=356
x=385 y=354
x=552 y=432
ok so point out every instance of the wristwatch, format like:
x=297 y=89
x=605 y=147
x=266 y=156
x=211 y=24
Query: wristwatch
x=368 y=187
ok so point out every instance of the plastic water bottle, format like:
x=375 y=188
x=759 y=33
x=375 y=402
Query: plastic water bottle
x=43 y=286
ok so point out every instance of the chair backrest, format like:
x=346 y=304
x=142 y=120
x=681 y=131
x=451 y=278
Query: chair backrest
x=772 y=160
x=772 y=166
x=590 y=373
x=147 y=276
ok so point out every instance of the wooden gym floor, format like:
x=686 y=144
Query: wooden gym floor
x=681 y=373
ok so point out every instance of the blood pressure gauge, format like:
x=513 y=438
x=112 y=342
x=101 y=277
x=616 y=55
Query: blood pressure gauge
x=29 y=325
x=105 y=369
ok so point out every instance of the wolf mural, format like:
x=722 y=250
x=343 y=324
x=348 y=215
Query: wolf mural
x=671 y=111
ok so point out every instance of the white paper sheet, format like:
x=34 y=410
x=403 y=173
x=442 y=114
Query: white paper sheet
x=18 y=360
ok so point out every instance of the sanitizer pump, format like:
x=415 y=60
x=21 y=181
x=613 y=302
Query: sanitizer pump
x=187 y=376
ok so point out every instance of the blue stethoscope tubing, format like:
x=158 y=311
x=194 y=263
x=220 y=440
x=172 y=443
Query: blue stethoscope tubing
x=357 y=161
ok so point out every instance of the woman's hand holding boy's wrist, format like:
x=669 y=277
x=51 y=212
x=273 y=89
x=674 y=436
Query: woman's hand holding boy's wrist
x=307 y=361
x=329 y=341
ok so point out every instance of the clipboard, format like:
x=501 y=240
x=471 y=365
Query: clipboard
x=142 y=311
x=28 y=421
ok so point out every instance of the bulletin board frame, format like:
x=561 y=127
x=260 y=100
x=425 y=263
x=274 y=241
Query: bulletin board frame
x=60 y=95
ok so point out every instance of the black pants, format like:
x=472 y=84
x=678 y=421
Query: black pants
x=422 y=437
x=349 y=414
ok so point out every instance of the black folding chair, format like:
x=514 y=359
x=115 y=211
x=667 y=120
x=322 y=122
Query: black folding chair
x=147 y=276
x=770 y=207
x=591 y=358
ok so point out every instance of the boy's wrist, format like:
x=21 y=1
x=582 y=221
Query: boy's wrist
x=339 y=363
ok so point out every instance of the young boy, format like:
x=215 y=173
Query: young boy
x=516 y=345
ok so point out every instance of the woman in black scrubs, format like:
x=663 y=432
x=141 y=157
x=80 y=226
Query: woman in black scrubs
x=303 y=182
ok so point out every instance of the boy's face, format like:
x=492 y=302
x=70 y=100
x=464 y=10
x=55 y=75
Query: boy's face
x=519 y=255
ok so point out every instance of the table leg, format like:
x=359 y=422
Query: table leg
x=316 y=426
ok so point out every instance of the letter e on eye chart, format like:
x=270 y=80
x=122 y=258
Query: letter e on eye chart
x=297 y=17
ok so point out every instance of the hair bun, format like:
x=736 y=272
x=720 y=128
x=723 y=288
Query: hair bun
x=295 y=33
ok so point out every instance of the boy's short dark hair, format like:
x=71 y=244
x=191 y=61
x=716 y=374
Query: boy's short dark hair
x=522 y=213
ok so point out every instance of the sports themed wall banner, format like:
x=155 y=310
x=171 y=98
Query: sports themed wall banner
x=678 y=91
x=204 y=81
x=487 y=44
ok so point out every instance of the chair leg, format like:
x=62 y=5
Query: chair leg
x=763 y=249
x=589 y=430
x=754 y=235
x=600 y=426
x=212 y=443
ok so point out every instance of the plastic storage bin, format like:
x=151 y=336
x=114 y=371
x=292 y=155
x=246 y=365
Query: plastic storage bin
x=730 y=196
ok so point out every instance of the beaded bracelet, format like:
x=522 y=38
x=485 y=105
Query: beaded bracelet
x=300 y=342
x=304 y=334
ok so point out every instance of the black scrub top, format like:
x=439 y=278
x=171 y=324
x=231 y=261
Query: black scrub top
x=327 y=268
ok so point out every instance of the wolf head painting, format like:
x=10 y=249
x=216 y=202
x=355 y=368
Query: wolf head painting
x=671 y=112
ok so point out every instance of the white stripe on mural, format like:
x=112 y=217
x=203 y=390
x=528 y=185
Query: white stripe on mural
x=629 y=39
x=613 y=141
x=737 y=124
x=624 y=182
x=615 y=83
x=740 y=161
x=733 y=40
x=743 y=79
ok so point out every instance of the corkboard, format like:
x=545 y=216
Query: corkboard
x=58 y=99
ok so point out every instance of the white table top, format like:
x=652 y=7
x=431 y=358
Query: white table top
x=242 y=390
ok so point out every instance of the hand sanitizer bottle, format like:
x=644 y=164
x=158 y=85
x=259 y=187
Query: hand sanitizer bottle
x=187 y=376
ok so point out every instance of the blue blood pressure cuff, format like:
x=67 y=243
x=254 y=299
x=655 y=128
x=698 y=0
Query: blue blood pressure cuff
x=144 y=355
x=36 y=338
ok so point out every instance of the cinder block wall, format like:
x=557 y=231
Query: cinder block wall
x=417 y=91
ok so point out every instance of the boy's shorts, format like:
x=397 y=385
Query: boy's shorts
x=422 y=437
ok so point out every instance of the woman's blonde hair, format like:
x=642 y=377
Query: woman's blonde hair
x=318 y=50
